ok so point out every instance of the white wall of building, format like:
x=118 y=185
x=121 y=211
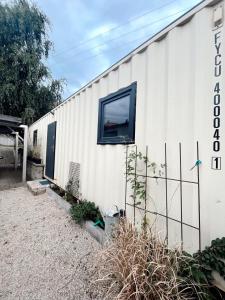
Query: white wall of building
x=175 y=89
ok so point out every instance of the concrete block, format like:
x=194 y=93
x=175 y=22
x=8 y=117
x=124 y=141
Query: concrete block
x=59 y=200
x=36 y=188
x=35 y=171
x=95 y=231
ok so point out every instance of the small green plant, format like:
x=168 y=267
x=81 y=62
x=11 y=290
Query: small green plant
x=199 y=266
x=211 y=258
x=191 y=271
x=135 y=160
x=86 y=210
x=137 y=167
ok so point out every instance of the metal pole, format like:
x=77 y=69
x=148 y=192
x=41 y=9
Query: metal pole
x=25 y=128
x=135 y=174
x=199 y=202
x=125 y=208
x=16 y=149
x=166 y=183
x=146 y=178
x=181 y=198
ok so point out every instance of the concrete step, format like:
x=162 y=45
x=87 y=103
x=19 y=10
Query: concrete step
x=36 y=188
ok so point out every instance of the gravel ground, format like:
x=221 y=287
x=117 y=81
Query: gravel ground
x=10 y=178
x=43 y=253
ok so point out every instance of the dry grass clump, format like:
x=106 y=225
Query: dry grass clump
x=143 y=267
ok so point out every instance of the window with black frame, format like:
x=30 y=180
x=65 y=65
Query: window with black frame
x=35 y=138
x=116 y=120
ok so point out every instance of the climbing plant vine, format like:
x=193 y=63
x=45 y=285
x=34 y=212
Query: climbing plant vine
x=138 y=166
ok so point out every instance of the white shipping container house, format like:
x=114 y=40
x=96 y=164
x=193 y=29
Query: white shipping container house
x=169 y=90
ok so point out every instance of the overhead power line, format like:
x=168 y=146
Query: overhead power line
x=112 y=29
x=117 y=38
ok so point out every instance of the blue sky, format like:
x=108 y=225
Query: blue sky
x=91 y=35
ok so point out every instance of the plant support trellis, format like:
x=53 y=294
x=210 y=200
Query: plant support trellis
x=167 y=179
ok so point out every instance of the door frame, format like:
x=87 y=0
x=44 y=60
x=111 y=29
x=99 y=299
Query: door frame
x=47 y=152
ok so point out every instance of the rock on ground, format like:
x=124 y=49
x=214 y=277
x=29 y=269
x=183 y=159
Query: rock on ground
x=43 y=253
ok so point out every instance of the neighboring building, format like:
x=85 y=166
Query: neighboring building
x=170 y=89
x=9 y=152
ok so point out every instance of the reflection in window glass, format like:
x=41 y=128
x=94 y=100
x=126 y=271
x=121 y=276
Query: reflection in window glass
x=116 y=118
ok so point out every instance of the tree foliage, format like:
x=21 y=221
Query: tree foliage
x=26 y=86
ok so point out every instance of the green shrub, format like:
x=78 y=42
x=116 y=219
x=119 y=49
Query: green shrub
x=210 y=258
x=198 y=268
x=86 y=210
x=191 y=271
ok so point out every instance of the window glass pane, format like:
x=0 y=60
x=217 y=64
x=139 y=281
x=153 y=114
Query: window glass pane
x=116 y=118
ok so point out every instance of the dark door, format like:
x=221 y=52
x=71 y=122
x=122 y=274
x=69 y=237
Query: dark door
x=50 y=151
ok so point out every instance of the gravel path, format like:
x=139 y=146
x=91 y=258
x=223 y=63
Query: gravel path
x=43 y=254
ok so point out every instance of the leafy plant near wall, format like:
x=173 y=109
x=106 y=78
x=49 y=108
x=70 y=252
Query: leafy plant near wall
x=211 y=258
x=137 y=179
x=191 y=271
x=199 y=267
x=86 y=210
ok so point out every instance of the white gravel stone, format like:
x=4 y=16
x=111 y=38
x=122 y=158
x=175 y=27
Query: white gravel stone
x=43 y=253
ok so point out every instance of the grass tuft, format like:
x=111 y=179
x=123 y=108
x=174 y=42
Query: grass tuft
x=142 y=267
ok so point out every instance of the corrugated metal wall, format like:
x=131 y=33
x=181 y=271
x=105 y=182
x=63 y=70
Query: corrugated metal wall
x=175 y=78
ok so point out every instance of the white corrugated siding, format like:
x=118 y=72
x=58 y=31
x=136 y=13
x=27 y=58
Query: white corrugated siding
x=174 y=104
